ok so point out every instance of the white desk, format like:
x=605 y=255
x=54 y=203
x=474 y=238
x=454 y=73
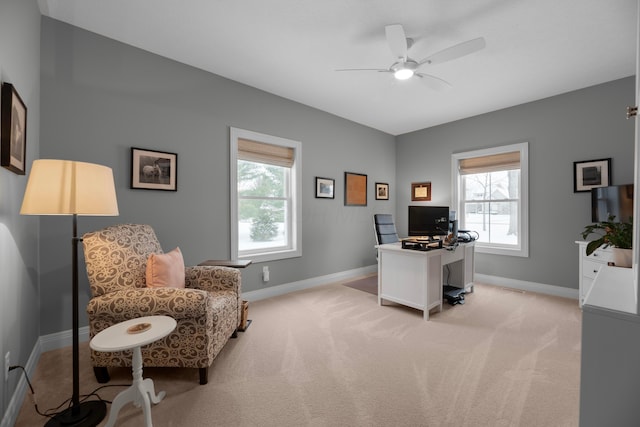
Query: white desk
x=116 y=338
x=414 y=278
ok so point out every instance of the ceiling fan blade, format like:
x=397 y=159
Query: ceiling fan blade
x=381 y=70
x=435 y=83
x=397 y=41
x=456 y=51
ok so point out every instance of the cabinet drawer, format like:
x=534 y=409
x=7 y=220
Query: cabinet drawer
x=591 y=268
x=602 y=255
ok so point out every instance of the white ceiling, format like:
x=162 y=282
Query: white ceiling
x=291 y=48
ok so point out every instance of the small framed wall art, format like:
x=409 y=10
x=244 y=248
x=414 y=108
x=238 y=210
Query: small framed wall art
x=325 y=188
x=13 y=134
x=420 y=191
x=382 y=191
x=154 y=170
x=590 y=174
x=355 y=189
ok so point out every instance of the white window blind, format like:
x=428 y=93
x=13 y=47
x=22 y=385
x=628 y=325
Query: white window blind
x=261 y=152
x=490 y=163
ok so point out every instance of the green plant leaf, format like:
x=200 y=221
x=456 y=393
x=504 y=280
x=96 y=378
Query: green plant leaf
x=610 y=233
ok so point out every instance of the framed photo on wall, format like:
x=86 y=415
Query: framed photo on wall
x=420 y=191
x=590 y=174
x=325 y=188
x=382 y=191
x=154 y=170
x=13 y=133
x=355 y=189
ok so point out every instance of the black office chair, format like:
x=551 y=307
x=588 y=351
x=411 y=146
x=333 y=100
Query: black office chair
x=385 y=229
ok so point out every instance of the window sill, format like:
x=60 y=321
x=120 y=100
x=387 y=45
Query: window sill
x=271 y=256
x=501 y=251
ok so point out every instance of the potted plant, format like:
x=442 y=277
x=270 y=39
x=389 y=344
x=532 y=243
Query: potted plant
x=618 y=235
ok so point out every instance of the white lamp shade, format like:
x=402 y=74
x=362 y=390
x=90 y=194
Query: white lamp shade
x=64 y=187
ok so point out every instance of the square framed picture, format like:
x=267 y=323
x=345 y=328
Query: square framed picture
x=13 y=134
x=325 y=188
x=154 y=170
x=355 y=189
x=382 y=191
x=421 y=191
x=590 y=174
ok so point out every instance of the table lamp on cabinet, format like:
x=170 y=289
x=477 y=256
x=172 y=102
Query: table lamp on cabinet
x=64 y=187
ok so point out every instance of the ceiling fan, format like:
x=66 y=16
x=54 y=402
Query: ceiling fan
x=405 y=67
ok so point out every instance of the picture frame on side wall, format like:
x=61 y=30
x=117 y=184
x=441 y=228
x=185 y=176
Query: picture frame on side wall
x=154 y=170
x=590 y=174
x=325 y=188
x=382 y=191
x=13 y=130
x=421 y=191
x=355 y=189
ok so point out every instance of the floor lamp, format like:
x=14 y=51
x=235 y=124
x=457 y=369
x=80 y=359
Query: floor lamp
x=63 y=187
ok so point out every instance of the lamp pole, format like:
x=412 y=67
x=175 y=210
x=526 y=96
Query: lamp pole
x=76 y=318
x=89 y=413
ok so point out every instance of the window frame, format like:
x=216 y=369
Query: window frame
x=294 y=248
x=522 y=249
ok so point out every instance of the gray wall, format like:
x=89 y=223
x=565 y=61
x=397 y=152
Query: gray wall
x=582 y=125
x=101 y=97
x=19 y=304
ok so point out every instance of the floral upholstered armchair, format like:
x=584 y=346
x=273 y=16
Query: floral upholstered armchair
x=207 y=307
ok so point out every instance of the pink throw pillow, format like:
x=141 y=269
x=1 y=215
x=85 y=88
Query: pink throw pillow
x=166 y=270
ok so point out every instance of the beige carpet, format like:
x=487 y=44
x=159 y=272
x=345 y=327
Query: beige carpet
x=330 y=356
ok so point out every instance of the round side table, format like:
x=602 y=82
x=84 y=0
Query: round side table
x=133 y=334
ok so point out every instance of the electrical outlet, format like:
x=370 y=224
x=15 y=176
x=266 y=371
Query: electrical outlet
x=7 y=363
x=265 y=273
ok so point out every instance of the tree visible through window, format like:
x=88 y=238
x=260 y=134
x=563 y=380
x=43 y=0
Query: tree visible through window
x=262 y=205
x=490 y=195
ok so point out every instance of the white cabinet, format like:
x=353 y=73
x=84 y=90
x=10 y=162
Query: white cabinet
x=589 y=267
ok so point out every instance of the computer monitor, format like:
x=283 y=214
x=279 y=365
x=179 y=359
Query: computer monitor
x=428 y=221
x=616 y=200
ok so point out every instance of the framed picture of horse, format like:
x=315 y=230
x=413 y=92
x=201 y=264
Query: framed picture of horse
x=154 y=170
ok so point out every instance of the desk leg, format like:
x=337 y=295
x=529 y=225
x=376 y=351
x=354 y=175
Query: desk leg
x=379 y=279
x=140 y=393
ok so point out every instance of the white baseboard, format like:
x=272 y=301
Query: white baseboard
x=274 y=291
x=523 y=285
x=62 y=339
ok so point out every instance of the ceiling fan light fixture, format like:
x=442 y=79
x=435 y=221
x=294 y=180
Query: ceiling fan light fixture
x=404 y=70
x=403 y=74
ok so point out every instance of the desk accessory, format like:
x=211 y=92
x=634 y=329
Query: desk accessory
x=421 y=244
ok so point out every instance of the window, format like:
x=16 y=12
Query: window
x=265 y=196
x=490 y=194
